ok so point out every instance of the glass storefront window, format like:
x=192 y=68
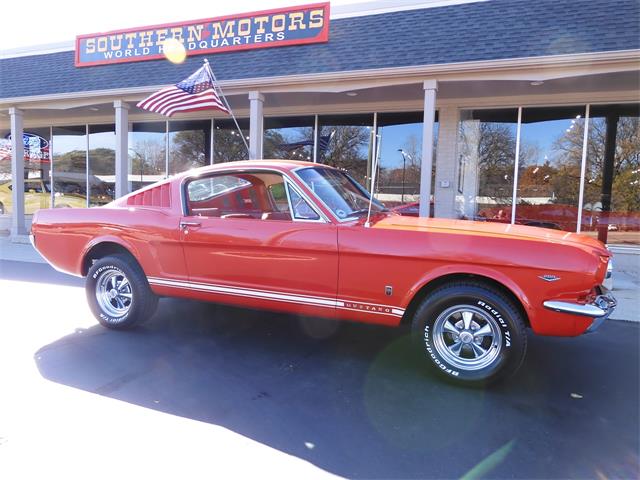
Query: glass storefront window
x=227 y=141
x=5 y=172
x=37 y=167
x=69 y=166
x=102 y=164
x=345 y=142
x=612 y=180
x=147 y=154
x=549 y=164
x=487 y=148
x=189 y=145
x=5 y=155
x=289 y=138
x=400 y=147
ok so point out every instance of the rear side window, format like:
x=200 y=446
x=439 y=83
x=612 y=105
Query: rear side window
x=250 y=195
x=206 y=188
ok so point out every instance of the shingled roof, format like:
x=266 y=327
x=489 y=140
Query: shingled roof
x=498 y=29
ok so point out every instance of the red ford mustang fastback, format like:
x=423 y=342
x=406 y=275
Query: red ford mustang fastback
x=294 y=237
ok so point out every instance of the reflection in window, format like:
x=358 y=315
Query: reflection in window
x=227 y=141
x=252 y=195
x=550 y=159
x=70 y=166
x=289 y=138
x=612 y=182
x=102 y=164
x=487 y=148
x=5 y=155
x=400 y=139
x=147 y=154
x=301 y=209
x=37 y=165
x=339 y=192
x=189 y=145
x=345 y=142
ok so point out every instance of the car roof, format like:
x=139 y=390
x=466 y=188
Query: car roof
x=282 y=165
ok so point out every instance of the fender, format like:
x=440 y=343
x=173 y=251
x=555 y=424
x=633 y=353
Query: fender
x=470 y=269
x=104 y=239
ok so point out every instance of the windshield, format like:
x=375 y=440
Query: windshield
x=339 y=192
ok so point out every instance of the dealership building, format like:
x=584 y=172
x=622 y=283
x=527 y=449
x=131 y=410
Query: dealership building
x=513 y=111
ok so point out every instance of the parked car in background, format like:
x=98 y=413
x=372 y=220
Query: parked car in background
x=37 y=195
x=298 y=237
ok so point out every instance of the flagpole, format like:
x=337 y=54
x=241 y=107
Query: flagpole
x=226 y=103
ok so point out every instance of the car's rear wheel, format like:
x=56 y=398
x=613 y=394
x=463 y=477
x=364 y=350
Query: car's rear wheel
x=470 y=333
x=118 y=292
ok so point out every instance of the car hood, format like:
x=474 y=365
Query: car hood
x=491 y=229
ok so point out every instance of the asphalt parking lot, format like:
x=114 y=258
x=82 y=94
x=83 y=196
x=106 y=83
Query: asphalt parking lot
x=207 y=391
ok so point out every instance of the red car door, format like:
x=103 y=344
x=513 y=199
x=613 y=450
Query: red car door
x=243 y=246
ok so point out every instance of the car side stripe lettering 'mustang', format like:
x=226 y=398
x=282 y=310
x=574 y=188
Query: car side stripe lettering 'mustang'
x=372 y=308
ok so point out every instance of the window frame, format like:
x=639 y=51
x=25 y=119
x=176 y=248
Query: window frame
x=322 y=202
x=289 y=183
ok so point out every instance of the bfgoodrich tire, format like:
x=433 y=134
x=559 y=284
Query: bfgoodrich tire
x=118 y=292
x=470 y=334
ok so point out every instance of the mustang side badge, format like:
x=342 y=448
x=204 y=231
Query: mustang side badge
x=549 y=278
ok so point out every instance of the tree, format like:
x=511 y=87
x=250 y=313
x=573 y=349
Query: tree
x=348 y=148
x=187 y=149
x=626 y=165
x=147 y=158
x=286 y=143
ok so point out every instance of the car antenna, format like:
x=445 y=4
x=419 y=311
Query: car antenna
x=374 y=178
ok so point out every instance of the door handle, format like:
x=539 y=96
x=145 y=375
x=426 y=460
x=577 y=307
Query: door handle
x=184 y=225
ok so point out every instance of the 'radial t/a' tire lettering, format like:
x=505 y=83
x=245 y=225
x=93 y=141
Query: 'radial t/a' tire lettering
x=470 y=333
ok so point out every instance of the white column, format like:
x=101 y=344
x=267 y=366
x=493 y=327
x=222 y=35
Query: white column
x=430 y=88
x=18 y=226
x=256 y=100
x=122 y=147
x=447 y=163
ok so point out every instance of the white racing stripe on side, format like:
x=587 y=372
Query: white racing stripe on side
x=276 y=296
x=370 y=311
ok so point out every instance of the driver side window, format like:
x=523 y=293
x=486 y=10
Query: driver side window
x=249 y=195
x=301 y=209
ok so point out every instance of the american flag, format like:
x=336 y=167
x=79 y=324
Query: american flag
x=197 y=92
x=323 y=143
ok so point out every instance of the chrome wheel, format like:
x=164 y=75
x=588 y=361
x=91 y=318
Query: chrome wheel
x=467 y=337
x=113 y=292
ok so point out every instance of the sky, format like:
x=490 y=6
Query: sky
x=47 y=21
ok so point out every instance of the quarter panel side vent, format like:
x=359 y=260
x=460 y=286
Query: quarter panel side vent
x=159 y=196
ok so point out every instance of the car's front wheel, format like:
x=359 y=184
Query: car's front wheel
x=118 y=292
x=470 y=333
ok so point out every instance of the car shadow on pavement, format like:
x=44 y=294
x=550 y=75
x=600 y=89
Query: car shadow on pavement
x=355 y=399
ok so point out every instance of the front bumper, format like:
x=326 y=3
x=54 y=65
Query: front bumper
x=599 y=309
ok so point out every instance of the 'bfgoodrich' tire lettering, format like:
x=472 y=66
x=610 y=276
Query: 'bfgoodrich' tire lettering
x=507 y=345
x=143 y=300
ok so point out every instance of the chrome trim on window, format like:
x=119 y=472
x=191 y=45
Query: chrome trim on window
x=333 y=215
x=287 y=178
x=287 y=185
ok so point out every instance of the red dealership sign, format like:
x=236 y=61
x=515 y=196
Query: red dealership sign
x=269 y=28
